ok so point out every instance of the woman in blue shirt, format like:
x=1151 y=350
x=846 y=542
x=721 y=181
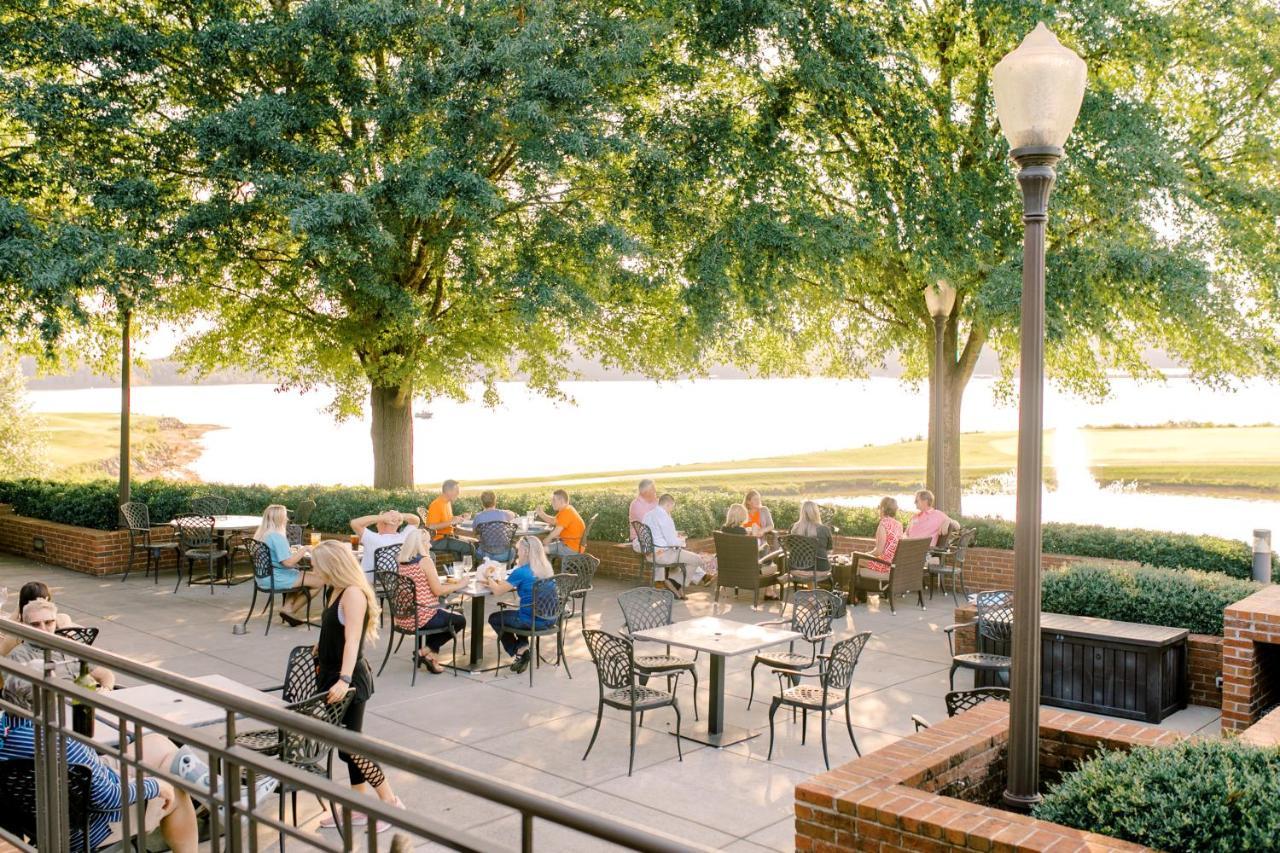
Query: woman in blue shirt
x=531 y=565
x=272 y=533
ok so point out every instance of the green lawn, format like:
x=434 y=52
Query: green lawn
x=79 y=442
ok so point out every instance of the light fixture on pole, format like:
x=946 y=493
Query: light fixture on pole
x=939 y=299
x=1038 y=89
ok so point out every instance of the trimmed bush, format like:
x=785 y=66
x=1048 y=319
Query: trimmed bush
x=1177 y=598
x=1194 y=797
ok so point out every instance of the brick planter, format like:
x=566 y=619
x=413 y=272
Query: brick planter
x=931 y=791
x=1251 y=658
x=82 y=549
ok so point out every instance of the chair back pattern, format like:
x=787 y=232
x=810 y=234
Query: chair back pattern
x=995 y=615
x=209 y=505
x=551 y=595
x=583 y=567
x=801 y=551
x=401 y=592
x=310 y=754
x=737 y=559
x=300 y=675
x=586 y=531
x=964 y=540
x=496 y=537
x=909 y=563
x=194 y=531
x=79 y=634
x=644 y=538
x=812 y=613
x=387 y=559
x=645 y=607
x=293 y=534
x=838 y=674
x=614 y=658
x=959 y=701
x=136 y=516
x=260 y=556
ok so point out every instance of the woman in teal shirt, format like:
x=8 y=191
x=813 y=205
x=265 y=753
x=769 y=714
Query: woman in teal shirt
x=532 y=565
x=284 y=575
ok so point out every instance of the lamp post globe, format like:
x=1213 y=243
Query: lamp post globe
x=940 y=299
x=1038 y=89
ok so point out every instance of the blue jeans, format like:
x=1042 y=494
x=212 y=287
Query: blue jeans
x=498 y=557
x=451 y=545
x=502 y=619
x=559 y=549
x=441 y=619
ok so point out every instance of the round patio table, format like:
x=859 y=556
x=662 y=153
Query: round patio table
x=223 y=525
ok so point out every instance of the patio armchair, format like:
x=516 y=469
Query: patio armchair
x=950 y=563
x=614 y=658
x=401 y=594
x=310 y=755
x=649 y=555
x=811 y=615
x=208 y=505
x=135 y=516
x=906 y=573
x=198 y=542
x=264 y=582
x=835 y=678
x=300 y=682
x=801 y=561
x=741 y=564
x=18 y=793
x=994 y=632
x=959 y=701
x=644 y=608
x=583 y=567
x=497 y=537
x=550 y=599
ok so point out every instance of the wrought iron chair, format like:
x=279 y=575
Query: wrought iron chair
x=18 y=793
x=197 y=540
x=802 y=570
x=300 y=682
x=835 y=679
x=586 y=530
x=385 y=559
x=209 y=505
x=497 y=537
x=994 y=631
x=951 y=563
x=135 y=516
x=401 y=594
x=614 y=658
x=906 y=573
x=79 y=634
x=310 y=755
x=550 y=599
x=264 y=582
x=644 y=608
x=959 y=701
x=583 y=567
x=293 y=533
x=739 y=565
x=811 y=615
x=649 y=555
x=302 y=515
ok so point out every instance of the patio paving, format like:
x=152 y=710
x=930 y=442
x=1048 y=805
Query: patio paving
x=732 y=799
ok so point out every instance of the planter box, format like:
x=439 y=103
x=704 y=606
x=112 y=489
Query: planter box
x=93 y=552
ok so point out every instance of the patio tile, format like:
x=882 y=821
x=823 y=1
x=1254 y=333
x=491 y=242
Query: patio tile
x=779 y=836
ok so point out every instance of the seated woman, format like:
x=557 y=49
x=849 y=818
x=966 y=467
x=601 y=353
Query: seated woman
x=272 y=533
x=532 y=565
x=759 y=519
x=875 y=563
x=42 y=614
x=417 y=565
x=735 y=520
x=810 y=525
x=30 y=592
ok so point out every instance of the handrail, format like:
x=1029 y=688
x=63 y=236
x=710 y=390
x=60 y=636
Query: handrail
x=530 y=803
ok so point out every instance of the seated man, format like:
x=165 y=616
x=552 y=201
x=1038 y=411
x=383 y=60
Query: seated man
x=929 y=522
x=389 y=531
x=566 y=538
x=440 y=521
x=499 y=548
x=42 y=614
x=645 y=501
x=668 y=547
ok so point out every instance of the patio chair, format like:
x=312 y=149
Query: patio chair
x=614 y=658
x=811 y=615
x=950 y=564
x=550 y=598
x=311 y=755
x=835 y=679
x=196 y=538
x=906 y=574
x=293 y=534
x=78 y=634
x=801 y=555
x=583 y=567
x=401 y=593
x=385 y=559
x=994 y=631
x=209 y=505
x=18 y=793
x=135 y=516
x=644 y=608
x=649 y=556
x=302 y=515
x=264 y=582
x=498 y=537
x=300 y=680
x=959 y=701
x=740 y=564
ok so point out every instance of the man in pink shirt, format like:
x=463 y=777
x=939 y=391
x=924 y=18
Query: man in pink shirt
x=645 y=502
x=928 y=521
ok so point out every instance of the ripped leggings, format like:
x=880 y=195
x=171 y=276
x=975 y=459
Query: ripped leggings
x=359 y=768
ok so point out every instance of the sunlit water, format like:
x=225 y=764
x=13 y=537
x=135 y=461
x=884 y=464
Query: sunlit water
x=285 y=438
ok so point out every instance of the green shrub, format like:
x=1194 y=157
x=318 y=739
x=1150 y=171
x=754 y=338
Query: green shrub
x=1196 y=796
x=1178 y=598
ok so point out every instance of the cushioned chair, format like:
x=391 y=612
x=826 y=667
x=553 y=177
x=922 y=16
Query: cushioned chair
x=740 y=564
x=614 y=658
x=906 y=573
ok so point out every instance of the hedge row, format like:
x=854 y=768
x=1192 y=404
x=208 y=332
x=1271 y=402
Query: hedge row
x=1177 y=598
x=1202 y=796
x=698 y=512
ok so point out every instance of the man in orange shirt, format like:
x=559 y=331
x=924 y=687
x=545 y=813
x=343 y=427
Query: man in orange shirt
x=566 y=538
x=440 y=521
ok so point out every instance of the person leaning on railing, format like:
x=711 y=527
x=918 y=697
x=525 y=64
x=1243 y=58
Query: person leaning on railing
x=30 y=592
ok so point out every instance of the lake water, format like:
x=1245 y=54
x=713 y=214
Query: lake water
x=285 y=438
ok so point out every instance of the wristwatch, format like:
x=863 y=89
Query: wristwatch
x=345 y=679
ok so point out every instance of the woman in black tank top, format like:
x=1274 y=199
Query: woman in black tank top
x=349 y=620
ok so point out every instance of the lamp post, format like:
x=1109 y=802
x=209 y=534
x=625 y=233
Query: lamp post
x=1038 y=89
x=939 y=299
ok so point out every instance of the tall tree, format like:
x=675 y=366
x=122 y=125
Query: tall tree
x=22 y=450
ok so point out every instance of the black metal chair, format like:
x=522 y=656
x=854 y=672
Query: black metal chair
x=385 y=559
x=302 y=515
x=811 y=613
x=649 y=555
x=300 y=682
x=994 y=631
x=583 y=567
x=264 y=582
x=906 y=573
x=644 y=608
x=959 y=701
x=614 y=658
x=293 y=534
x=586 y=530
x=550 y=600
x=835 y=679
x=497 y=537
x=18 y=793
x=208 y=505
x=311 y=755
x=401 y=594
x=197 y=540
x=802 y=570
x=950 y=563
x=79 y=634
x=135 y=516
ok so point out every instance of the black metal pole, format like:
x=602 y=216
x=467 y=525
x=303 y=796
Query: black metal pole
x=1036 y=176
x=939 y=377
x=124 y=405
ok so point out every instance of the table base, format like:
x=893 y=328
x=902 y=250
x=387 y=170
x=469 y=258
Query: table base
x=465 y=664
x=700 y=732
x=236 y=580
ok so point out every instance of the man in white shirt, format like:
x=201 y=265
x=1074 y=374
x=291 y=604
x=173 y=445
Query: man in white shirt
x=669 y=548
x=392 y=526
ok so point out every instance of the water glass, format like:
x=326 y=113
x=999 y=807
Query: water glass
x=466 y=563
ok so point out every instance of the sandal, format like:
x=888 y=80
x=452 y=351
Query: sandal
x=291 y=621
x=432 y=665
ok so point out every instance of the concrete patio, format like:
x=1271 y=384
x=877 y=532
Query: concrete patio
x=732 y=799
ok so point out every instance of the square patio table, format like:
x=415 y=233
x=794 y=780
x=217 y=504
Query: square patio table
x=474 y=660
x=187 y=710
x=719 y=638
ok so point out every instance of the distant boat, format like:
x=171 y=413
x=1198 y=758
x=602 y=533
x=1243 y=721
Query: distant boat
x=424 y=415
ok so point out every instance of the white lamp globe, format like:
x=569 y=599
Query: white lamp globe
x=1038 y=89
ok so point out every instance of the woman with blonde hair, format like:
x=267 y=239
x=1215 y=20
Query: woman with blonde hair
x=416 y=564
x=810 y=525
x=272 y=533
x=735 y=520
x=532 y=565
x=350 y=620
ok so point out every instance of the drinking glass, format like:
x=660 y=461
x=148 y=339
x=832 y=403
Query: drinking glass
x=466 y=563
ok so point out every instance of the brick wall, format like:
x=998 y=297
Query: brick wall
x=1247 y=624
x=93 y=552
x=929 y=791
x=1204 y=659
x=1265 y=732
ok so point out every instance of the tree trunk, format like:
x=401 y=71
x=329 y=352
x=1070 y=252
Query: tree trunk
x=958 y=365
x=951 y=447
x=392 y=434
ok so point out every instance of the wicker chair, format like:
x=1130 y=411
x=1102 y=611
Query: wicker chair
x=959 y=701
x=79 y=634
x=906 y=573
x=994 y=631
x=401 y=593
x=583 y=567
x=644 y=608
x=197 y=541
x=835 y=679
x=135 y=516
x=264 y=582
x=209 y=505
x=811 y=615
x=550 y=599
x=649 y=555
x=614 y=658
x=18 y=793
x=497 y=537
x=740 y=564
x=801 y=554
x=950 y=563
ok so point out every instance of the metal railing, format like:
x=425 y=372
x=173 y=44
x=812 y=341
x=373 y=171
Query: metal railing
x=236 y=820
